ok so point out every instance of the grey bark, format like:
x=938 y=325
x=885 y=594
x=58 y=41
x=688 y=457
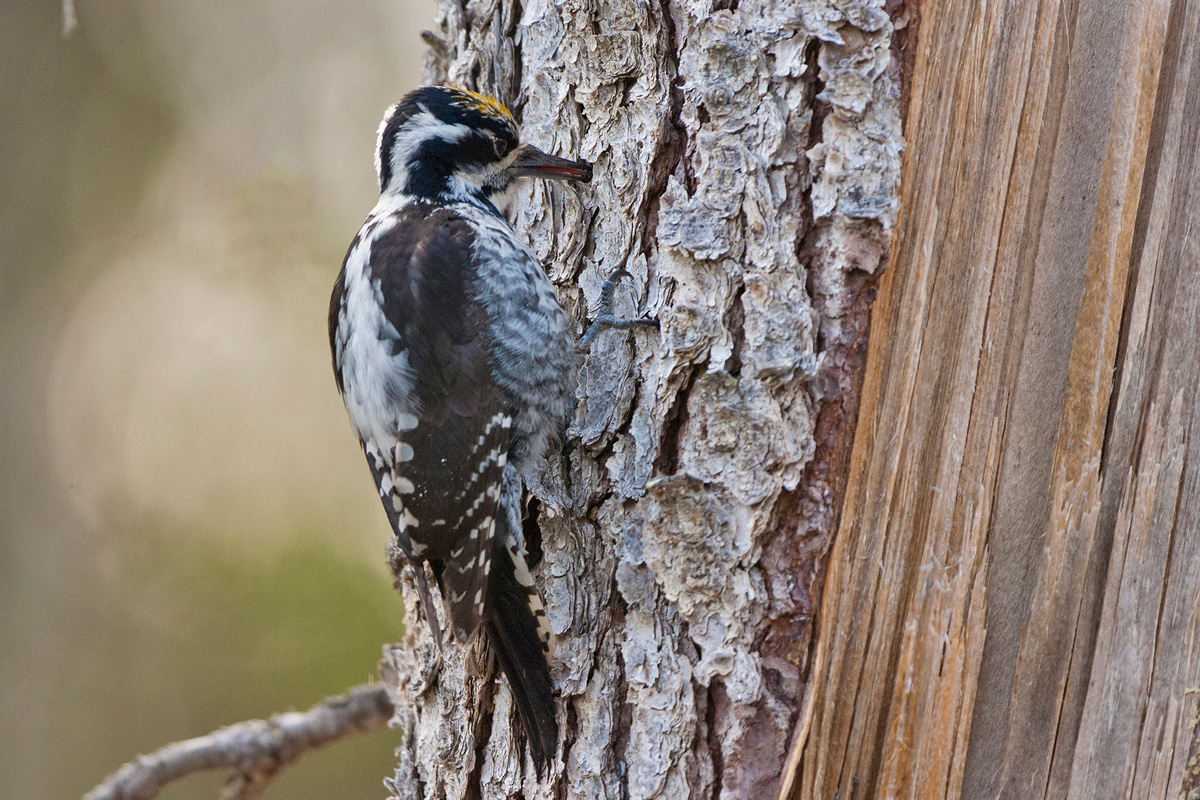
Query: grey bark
x=747 y=164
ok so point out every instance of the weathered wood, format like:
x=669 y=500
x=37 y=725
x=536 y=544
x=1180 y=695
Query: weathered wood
x=1011 y=607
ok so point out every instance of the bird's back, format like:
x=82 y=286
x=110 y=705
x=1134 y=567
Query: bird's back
x=456 y=364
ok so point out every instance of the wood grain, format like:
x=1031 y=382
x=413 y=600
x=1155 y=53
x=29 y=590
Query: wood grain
x=1011 y=605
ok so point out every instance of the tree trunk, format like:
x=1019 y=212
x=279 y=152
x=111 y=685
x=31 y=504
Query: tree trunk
x=1012 y=601
x=747 y=163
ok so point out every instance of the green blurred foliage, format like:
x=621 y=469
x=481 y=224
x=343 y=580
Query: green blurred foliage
x=178 y=637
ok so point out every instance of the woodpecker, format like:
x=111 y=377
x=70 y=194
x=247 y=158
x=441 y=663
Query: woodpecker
x=457 y=367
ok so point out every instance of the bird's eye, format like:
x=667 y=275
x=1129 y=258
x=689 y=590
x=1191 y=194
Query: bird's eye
x=498 y=145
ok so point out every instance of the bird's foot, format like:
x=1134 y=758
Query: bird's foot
x=605 y=318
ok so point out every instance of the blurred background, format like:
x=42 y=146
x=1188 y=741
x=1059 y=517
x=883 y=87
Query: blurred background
x=188 y=533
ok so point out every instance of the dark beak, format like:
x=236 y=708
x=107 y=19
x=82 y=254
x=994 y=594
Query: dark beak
x=533 y=163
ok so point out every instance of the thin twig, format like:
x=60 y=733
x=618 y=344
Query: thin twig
x=256 y=750
x=605 y=319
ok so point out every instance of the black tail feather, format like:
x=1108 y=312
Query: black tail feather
x=513 y=630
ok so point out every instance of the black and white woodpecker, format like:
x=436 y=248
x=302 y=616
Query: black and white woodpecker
x=457 y=367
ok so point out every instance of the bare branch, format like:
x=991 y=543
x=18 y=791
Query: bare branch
x=256 y=750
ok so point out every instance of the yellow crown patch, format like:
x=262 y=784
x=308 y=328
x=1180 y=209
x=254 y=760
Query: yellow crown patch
x=465 y=98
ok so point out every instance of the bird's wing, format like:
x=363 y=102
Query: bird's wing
x=445 y=472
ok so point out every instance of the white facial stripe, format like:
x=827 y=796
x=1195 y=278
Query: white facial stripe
x=418 y=129
x=387 y=117
x=466 y=185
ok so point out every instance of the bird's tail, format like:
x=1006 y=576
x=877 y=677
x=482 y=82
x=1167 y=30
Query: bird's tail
x=522 y=639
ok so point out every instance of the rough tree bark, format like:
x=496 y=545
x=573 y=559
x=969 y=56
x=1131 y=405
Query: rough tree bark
x=747 y=159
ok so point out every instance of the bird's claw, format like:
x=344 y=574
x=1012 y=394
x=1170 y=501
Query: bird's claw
x=605 y=318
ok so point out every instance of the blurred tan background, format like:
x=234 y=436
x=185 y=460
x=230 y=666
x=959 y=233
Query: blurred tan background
x=188 y=534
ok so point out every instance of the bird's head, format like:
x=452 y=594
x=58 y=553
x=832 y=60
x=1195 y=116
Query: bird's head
x=443 y=143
